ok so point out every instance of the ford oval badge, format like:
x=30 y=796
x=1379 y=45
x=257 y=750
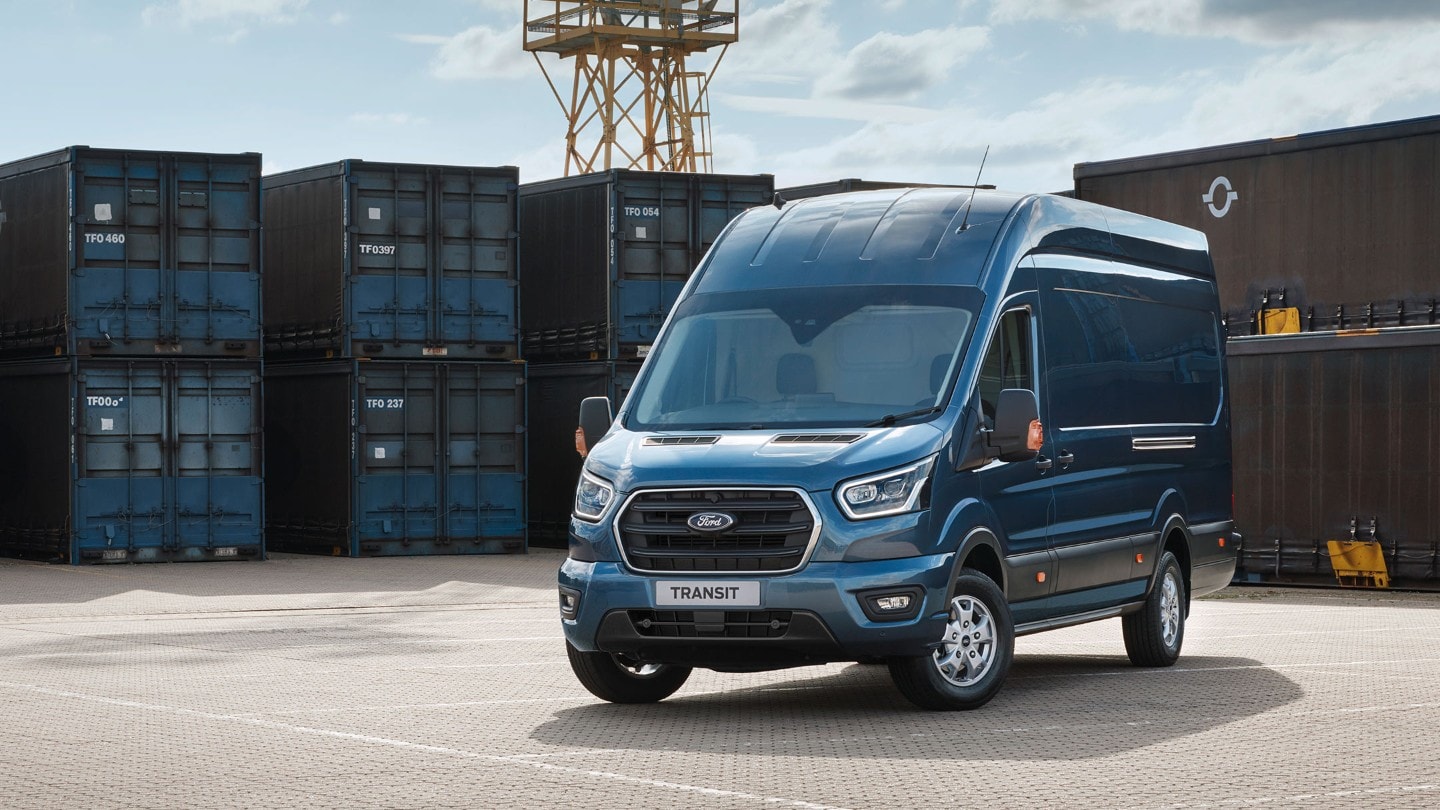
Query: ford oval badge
x=710 y=521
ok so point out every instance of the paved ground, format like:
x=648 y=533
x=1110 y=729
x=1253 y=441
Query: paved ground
x=441 y=682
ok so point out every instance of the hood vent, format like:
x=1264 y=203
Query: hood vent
x=819 y=438
x=680 y=441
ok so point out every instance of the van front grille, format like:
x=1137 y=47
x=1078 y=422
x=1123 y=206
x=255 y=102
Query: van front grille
x=770 y=533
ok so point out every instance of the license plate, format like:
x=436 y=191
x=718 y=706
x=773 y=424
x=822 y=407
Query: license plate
x=707 y=593
x=114 y=554
x=227 y=552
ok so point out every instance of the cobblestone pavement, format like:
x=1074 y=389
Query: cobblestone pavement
x=442 y=682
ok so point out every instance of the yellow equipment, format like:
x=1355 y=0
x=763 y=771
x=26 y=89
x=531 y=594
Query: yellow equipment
x=1277 y=321
x=1359 y=563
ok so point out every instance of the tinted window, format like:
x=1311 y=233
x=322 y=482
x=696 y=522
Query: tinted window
x=1117 y=360
x=1009 y=360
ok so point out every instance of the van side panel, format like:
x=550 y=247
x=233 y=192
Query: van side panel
x=1133 y=417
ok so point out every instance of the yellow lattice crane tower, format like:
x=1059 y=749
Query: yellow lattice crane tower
x=633 y=103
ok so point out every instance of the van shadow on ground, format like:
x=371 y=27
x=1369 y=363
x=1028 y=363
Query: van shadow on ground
x=1051 y=708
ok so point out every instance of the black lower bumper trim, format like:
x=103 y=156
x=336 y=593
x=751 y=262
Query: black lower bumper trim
x=805 y=640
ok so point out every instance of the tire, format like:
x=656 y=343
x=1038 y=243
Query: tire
x=968 y=665
x=610 y=677
x=1153 y=635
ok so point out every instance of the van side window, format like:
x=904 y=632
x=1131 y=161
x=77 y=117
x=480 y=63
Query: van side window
x=1009 y=362
x=1116 y=360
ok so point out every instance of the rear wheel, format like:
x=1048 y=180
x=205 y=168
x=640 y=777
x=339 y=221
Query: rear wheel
x=968 y=665
x=1154 y=634
x=620 y=680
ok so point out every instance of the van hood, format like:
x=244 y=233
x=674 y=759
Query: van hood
x=815 y=459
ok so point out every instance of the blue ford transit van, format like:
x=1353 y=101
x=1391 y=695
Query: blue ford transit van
x=907 y=426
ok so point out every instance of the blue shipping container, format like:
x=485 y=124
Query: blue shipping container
x=606 y=255
x=120 y=460
x=112 y=252
x=391 y=260
x=395 y=458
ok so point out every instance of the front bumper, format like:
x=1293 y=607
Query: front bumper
x=813 y=615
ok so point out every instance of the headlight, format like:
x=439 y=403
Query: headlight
x=889 y=493
x=592 y=496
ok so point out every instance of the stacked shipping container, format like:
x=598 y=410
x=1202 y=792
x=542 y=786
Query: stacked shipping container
x=130 y=328
x=604 y=258
x=395 y=402
x=1335 y=429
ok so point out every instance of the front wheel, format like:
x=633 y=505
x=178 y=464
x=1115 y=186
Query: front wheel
x=968 y=664
x=619 y=680
x=1154 y=634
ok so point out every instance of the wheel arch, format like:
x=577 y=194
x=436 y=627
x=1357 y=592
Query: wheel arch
x=980 y=550
x=1175 y=538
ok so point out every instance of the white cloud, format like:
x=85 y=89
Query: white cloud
x=1031 y=149
x=1260 y=21
x=736 y=153
x=543 y=161
x=792 y=41
x=191 y=12
x=480 y=52
x=901 y=67
x=837 y=109
x=1326 y=70
x=1313 y=87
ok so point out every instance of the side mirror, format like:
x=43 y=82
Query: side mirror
x=595 y=418
x=1014 y=413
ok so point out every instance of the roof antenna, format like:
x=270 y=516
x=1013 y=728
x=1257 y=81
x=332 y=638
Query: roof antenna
x=965 y=223
x=778 y=201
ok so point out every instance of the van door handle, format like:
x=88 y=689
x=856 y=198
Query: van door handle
x=1066 y=458
x=1043 y=463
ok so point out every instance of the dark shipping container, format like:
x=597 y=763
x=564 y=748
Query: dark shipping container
x=605 y=254
x=552 y=414
x=122 y=252
x=1330 y=429
x=130 y=460
x=391 y=260
x=1341 y=221
x=395 y=457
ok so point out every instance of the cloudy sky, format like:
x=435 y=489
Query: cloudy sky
x=910 y=90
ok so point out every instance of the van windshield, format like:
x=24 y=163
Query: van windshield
x=805 y=357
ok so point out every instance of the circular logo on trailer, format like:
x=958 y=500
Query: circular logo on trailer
x=1219 y=197
x=710 y=521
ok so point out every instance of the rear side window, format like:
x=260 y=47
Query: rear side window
x=1118 y=360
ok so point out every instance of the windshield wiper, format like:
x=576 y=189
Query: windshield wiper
x=891 y=418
